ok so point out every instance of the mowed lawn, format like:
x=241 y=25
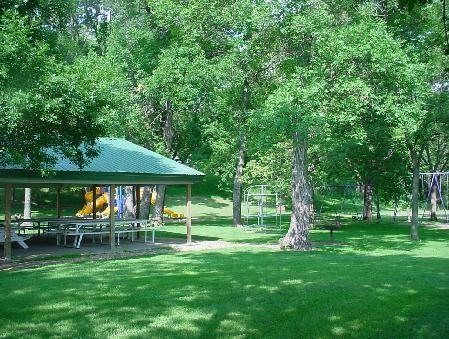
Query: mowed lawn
x=372 y=283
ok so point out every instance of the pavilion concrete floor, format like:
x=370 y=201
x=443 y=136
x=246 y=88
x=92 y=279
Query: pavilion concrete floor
x=41 y=247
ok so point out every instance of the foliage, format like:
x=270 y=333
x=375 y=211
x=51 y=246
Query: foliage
x=47 y=105
x=193 y=79
x=271 y=166
x=374 y=103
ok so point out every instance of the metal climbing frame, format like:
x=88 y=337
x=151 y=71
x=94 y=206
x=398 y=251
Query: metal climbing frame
x=261 y=203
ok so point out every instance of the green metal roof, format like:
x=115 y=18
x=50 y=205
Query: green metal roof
x=119 y=162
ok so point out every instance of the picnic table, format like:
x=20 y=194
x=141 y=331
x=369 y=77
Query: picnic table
x=41 y=224
x=98 y=227
x=20 y=239
x=23 y=229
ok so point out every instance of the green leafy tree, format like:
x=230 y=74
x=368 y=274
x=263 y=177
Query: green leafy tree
x=346 y=74
x=423 y=25
x=47 y=102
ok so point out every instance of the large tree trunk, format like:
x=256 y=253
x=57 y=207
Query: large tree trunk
x=297 y=236
x=368 y=202
x=129 y=211
x=158 y=212
x=27 y=207
x=415 y=198
x=145 y=202
x=237 y=191
x=433 y=198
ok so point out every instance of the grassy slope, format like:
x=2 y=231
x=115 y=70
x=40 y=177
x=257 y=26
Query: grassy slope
x=377 y=285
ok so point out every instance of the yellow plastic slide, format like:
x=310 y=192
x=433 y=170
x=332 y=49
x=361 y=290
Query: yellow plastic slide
x=99 y=204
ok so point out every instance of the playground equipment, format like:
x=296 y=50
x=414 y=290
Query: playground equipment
x=262 y=203
x=101 y=204
x=167 y=211
x=437 y=185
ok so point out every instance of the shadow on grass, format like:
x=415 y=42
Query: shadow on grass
x=231 y=293
x=358 y=235
x=176 y=235
x=379 y=237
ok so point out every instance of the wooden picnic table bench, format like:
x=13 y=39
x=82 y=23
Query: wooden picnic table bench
x=20 y=239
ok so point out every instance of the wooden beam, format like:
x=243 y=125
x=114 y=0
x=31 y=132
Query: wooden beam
x=7 y=229
x=112 y=216
x=189 y=213
x=94 y=198
x=58 y=202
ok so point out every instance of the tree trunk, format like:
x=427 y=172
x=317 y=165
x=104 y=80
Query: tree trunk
x=145 y=201
x=415 y=198
x=129 y=211
x=368 y=202
x=167 y=129
x=446 y=28
x=378 y=206
x=158 y=212
x=167 y=134
x=297 y=236
x=381 y=8
x=237 y=191
x=433 y=198
x=27 y=207
x=384 y=9
x=7 y=227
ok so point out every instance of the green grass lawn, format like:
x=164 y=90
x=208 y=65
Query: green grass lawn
x=371 y=283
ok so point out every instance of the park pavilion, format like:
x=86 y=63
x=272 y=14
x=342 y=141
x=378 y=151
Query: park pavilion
x=119 y=162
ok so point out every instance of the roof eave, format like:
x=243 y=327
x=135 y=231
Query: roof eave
x=33 y=178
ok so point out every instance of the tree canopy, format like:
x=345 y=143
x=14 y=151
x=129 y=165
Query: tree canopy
x=290 y=93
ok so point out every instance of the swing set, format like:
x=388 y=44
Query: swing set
x=437 y=185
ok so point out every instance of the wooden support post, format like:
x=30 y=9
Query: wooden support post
x=58 y=202
x=112 y=216
x=7 y=229
x=94 y=198
x=189 y=213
